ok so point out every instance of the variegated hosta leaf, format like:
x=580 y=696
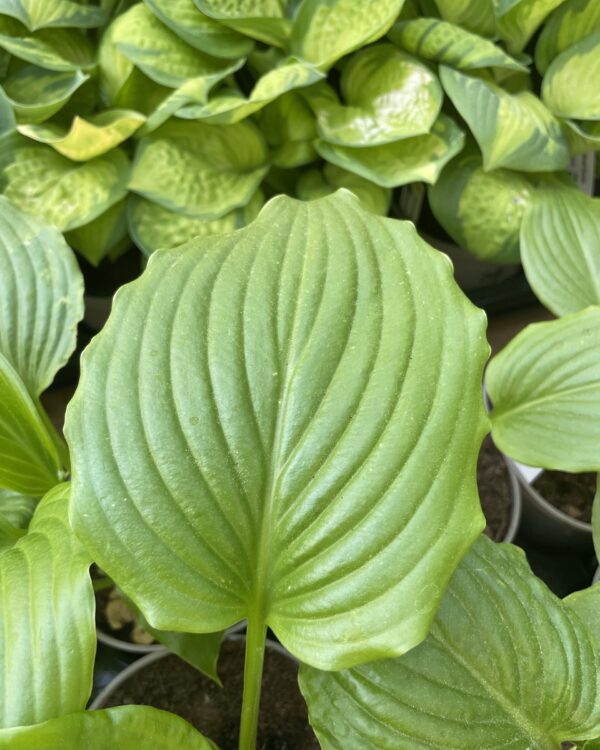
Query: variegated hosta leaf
x=199 y=30
x=103 y=235
x=114 y=68
x=36 y=94
x=162 y=55
x=515 y=131
x=583 y=136
x=481 y=211
x=203 y=171
x=388 y=95
x=290 y=129
x=279 y=389
x=451 y=45
x=572 y=21
x=324 y=32
x=264 y=20
x=141 y=94
x=47 y=632
x=123 y=727
x=153 y=227
x=54 y=49
x=474 y=15
x=570 y=85
x=518 y=20
x=16 y=508
x=560 y=241
x=410 y=160
x=545 y=388
x=40 y=14
x=506 y=665
x=317 y=184
x=41 y=299
x=64 y=193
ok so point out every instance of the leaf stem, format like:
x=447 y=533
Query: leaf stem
x=253 y=671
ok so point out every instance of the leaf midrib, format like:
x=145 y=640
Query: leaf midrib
x=499 y=413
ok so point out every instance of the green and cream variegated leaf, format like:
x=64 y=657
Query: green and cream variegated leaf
x=481 y=211
x=387 y=95
x=36 y=94
x=515 y=131
x=410 y=160
x=54 y=49
x=280 y=388
x=264 y=20
x=153 y=227
x=474 y=15
x=122 y=728
x=325 y=31
x=446 y=43
x=141 y=94
x=545 y=389
x=47 y=631
x=17 y=509
x=64 y=193
x=114 y=68
x=202 y=171
x=505 y=665
x=317 y=184
x=199 y=30
x=572 y=22
x=103 y=236
x=570 y=86
x=518 y=20
x=40 y=14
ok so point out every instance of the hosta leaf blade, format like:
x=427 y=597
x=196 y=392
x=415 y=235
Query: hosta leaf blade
x=506 y=664
x=545 y=388
x=316 y=184
x=474 y=15
x=574 y=20
x=264 y=20
x=40 y=14
x=16 y=508
x=518 y=20
x=54 y=49
x=285 y=432
x=36 y=94
x=103 y=235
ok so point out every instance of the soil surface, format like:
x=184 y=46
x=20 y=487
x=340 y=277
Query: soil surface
x=494 y=490
x=572 y=494
x=172 y=685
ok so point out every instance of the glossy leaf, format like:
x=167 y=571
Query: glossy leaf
x=47 y=633
x=36 y=94
x=264 y=20
x=17 y=509
x=506 y=664
x=446 y=43
x=515 y=131
x=545 y=388
x=474 y=15
x=54 y=49
x=481 y=211
x=518 y=20
x=64 y=193
x=561 y=249
x=202 y=171
x=102 y=235
x=316 y=184
x=325 y=31
x=410 y=160
x=40 y=14
x=388 y=95
x=569 y=86
x=569 y=24
x=281 y=415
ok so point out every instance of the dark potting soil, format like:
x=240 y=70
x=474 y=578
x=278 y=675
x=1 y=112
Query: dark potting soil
x=494 y=490
x=172 y=685
x=572 y=494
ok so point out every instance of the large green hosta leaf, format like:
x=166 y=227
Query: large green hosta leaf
x=545 y=388
x=482 y=211
x=36 y=94
x=251 y=427
x=40 y=14
x=316 y=184
x=570 y=84
x=506 y=665
x=203 y=171
x=17 y=509
x=325 y=31
x=561 y=249
x=47 y=633
x=388 y=95
x=517 y=20
x=104 y=235
x=410 y=160
x=474 y=15
x=54 y=49
x=574 y=20
x=515 y=131
x=121 y=728
x=64 y=193
x=264 y=20
x=451 y=45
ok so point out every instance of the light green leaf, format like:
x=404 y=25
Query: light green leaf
x=545 y=388
x=506 y=665
x=153 y=227
x=570 y=85
x=560 y=241
x=36 y=94
x=197 y=29
x=518 y=20
x=141 y=94
x=574 y=20
x=515 y=131
x=481 y=211
x=290 y=129
x=410 y=160
x=451 y=45
x=102 y=235
x=8 y=120
x=54 y=49
x=9 y=534
x=114 y=68
x=40 y=14
x=586 y=605
x=279 y=413
x=388 y=95
x=203 y=171
x=16 y=508
x=123 y=727
x=264 y=20
x=317 y=184
x=47 y=633
x=64 y=193
x=474 y=15
x=325 y=31
x=583 y=136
